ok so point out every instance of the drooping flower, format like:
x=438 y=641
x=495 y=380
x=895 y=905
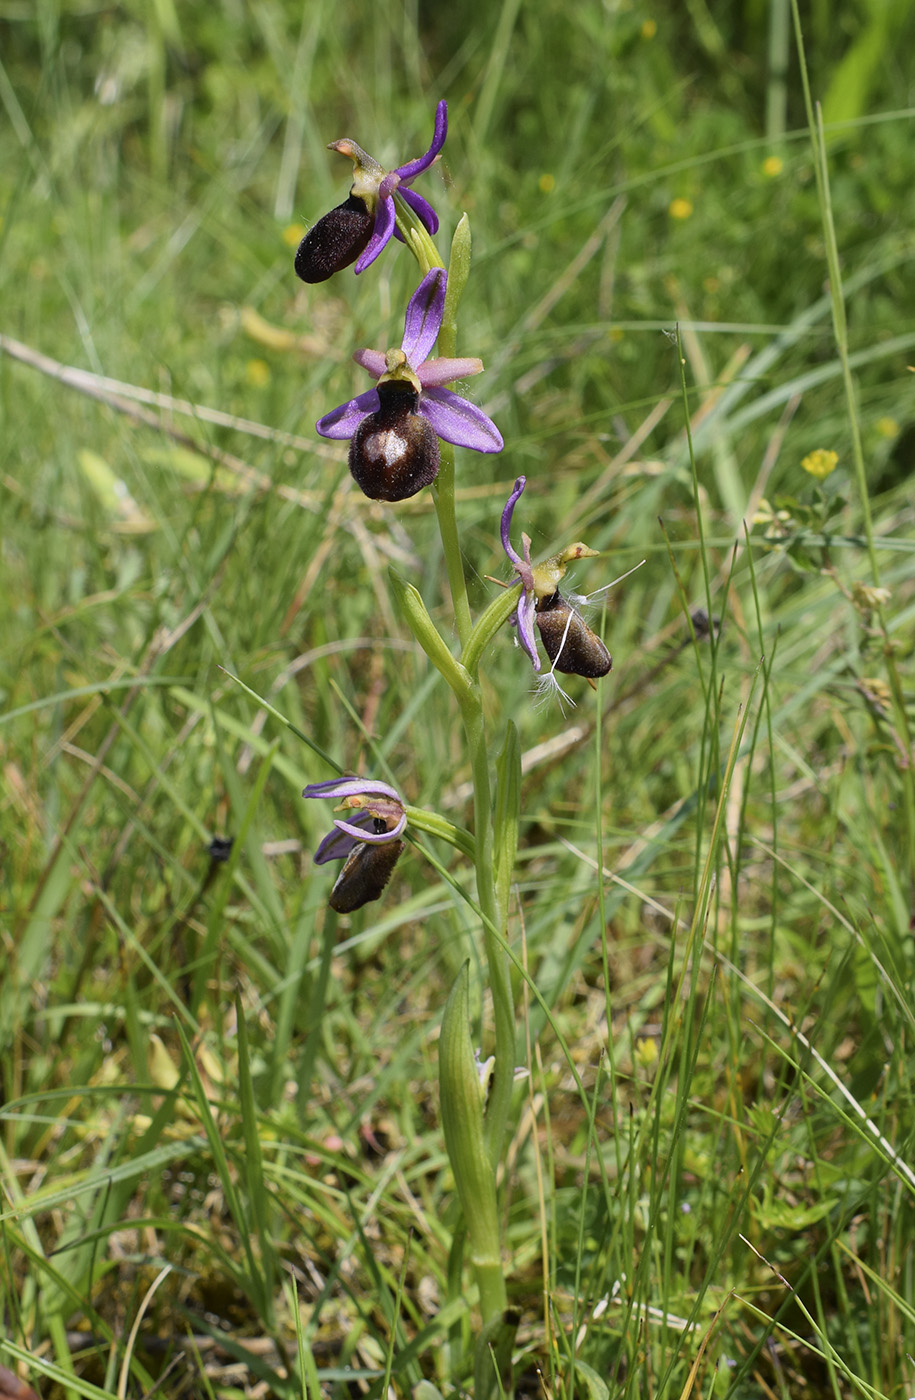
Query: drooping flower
x=394 y=428
x=357 y=230
x=568 y=641
x=369 y=841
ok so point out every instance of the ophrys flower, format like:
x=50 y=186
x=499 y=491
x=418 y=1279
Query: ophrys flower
x=357 y=230
x=368 y=841
x=394 y=428
x=572 y=646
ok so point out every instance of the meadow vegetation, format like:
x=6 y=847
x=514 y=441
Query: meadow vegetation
x=221 y=1162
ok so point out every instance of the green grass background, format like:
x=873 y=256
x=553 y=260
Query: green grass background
x=211 y=1085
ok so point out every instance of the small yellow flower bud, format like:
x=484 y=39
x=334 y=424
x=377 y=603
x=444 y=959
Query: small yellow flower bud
x=820 y=463
x=680 y=208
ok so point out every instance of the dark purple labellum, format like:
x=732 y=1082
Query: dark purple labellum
x=577 y=651
x=365 y=874
x=335 y=241
x=394 y=452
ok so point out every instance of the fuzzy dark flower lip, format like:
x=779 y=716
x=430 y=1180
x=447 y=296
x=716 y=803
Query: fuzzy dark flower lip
x=570 y=643
x=453 y=418
x=368 y=842
x=358 y=230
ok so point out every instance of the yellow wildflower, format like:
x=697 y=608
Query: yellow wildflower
x=680 y=208
x=257 y=373
x=772 y=166
x=820 y=463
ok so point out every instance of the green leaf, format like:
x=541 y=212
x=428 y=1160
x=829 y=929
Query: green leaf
x=430 y=639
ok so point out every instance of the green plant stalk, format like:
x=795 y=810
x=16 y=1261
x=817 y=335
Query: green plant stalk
x=494 y=930
x=463 y=1126
x=487 y=1261
x=469 y=697
x=427 y=255
x=443 y=496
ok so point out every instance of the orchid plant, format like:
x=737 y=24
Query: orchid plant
x=401 y=436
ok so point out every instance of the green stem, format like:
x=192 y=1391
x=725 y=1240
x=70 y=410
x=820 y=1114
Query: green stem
x=427 y=255
x=466 y=690
x=462 y=1123
x=487 y=1261
x=494 y=931
x=443 y=495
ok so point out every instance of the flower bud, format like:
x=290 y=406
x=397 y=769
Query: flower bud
x=335 y=241
x=568 y=641
x=394 y=452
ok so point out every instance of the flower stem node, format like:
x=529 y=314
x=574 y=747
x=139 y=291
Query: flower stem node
x=394 y=428
x=359 y=228
x=369 y=842
x=572 y=646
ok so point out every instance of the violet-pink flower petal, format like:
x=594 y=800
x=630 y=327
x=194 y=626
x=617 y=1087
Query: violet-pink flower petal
x=336 y=845
x=459 y=421
x=527 y=608
x=359 y=833
x=507 y=514
x=381 y=234
x=343 y=421
x=435 y=373
x=421 y=208
x=527 y=603
x=424 y=317
x=372 y=360
x=413 y=168
x=351 y=787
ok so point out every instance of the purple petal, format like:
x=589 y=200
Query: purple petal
x=424 y=317
x=336 y=846
x=435 y=373
x=373 y=837
x=421 y=208
x=414 y=167
x=381 y=235
x=388 y=185
x=342 y=422
x=507 y=514
x=372 y=360
x=459 y=421
x=351 y=787
x=527 y=608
